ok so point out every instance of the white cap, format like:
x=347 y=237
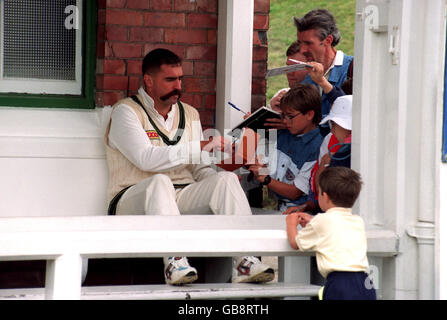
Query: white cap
x=341 y=112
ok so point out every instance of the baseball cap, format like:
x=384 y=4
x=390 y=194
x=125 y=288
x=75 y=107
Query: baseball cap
x=341 y=112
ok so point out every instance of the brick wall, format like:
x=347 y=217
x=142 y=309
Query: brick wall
x=128 y=29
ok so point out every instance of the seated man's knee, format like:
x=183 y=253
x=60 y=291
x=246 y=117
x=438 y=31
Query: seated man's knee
x=228 y=178
x=160 y=180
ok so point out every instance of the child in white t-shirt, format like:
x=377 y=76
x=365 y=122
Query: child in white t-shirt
x=337 y=236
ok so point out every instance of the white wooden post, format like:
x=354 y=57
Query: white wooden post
x=294 y=270
x=63 y=277
x=234 y=61
x=396 y=136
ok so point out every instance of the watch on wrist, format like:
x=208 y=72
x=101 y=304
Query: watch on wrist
x=267 y=180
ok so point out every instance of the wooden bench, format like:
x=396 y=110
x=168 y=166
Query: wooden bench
x=65 y=243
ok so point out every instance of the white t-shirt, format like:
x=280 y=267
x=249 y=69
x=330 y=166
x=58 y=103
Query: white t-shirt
x=339 y=240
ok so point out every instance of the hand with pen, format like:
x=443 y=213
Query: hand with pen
x=258 y=171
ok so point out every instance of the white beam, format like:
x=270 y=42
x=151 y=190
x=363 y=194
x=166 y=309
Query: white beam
x=234 y=61
x=63 y=277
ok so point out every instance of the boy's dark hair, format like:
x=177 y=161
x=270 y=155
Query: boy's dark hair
x=341 y=184
x=303 y=98
x=155 y=58
x=294 y=48
x=321 y=20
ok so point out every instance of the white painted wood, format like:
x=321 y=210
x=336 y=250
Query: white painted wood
x=186 y=292
x=294 y=270
x=63 y=277
x=441 y=237
x=234 y=61
x=52 y=162
x=397 y=129
x=152 y=236
x=65 y=242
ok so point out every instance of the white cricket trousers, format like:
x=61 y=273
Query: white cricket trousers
x=217 y=194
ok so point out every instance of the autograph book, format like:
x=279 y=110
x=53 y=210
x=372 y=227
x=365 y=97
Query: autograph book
x=244 y=153
x=255 y=121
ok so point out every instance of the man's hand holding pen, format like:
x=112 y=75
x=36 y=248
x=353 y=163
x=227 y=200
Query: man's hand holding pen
x=258 y=171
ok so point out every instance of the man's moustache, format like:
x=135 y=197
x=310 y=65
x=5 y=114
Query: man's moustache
x=174 y=92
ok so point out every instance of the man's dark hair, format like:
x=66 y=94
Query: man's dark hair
x=294 y=48
x=303 y=98
x=341 y=184
x=155 y=58
x=321 y=20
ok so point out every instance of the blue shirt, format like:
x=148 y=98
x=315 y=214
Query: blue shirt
x=337 y=76
x=296 y=156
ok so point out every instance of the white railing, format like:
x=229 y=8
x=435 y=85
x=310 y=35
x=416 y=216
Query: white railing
x=66 y=242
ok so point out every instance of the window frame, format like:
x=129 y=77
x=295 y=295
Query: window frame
x=86 y=99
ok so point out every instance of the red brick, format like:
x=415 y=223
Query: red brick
x=122 y=17
x=146 y=34
x=184 y=5
x=164 y=19
x=262 y=6
x=99 y=66
x=207 y=119
x=204 y=68
x=259 y=69
x=186 y=36
x=114 y=66
x=194 y=100
x=100 y=82
x=257 y=101
x=134 y=83
x=115 y=3
x=100 y=50
x=258 y=86
x=207 y=6
x=115 y=82
x=201 y=53
x=164 y=5
x=200 y=20
x=101 y=16
x=261 y=22
x=134 y=66
x=116 y=33
x=177 y=49
x=102 y=4
x=110 y=98
x=212 y=36
x=108 y=51
x=195 y=85
x=256 y=40
x=100 y=33
x=210 y=102
x=138 y=4
x=99 y=96
x=260 y=53
x=187 y=67
x=126 y=50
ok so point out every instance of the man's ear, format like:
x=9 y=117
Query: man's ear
x=148 y=81
x=329 y=39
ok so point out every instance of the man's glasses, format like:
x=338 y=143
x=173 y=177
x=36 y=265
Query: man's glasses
x=289 y=117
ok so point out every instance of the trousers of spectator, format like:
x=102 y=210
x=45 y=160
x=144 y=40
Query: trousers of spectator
x=216 y=194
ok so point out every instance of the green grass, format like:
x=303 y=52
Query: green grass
x=282 y=31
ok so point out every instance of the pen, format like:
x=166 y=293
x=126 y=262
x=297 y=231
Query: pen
x=236 y=107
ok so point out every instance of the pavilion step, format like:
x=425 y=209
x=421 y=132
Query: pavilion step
x=185 y=292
